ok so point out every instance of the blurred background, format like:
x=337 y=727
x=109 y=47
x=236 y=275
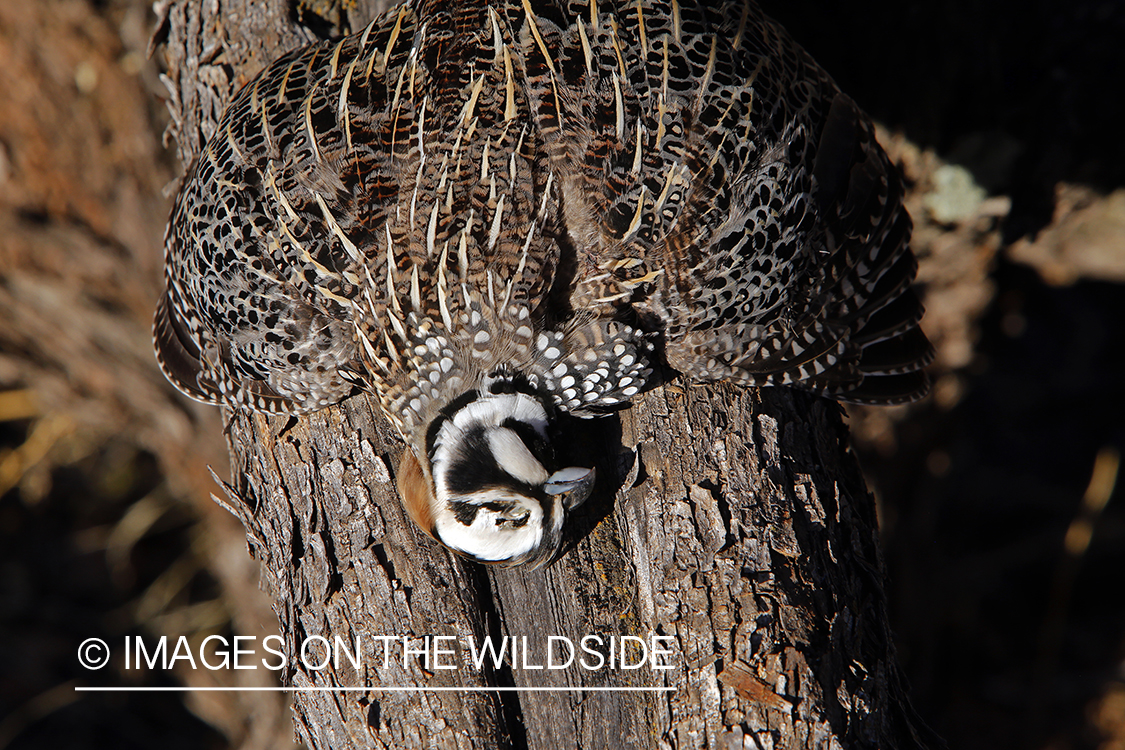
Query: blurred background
x=1001 y=511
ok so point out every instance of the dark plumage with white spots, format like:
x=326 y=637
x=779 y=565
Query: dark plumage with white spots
x=487 y=213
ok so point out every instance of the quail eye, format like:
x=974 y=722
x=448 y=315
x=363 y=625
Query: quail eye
x=515 y=518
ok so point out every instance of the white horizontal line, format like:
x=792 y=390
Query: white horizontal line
x=373 y=689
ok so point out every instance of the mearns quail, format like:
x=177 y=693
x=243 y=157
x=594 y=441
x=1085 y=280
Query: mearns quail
x=487 y=213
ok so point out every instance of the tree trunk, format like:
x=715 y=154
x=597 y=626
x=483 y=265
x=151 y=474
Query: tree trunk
x=730 y=528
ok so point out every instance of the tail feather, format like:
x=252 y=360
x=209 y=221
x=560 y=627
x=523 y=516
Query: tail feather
x=907 y=352
x=177 y=353
x=882 y=390
x=893 y=319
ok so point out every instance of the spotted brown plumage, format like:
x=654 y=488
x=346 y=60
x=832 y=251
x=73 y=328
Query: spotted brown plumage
x=486 y=213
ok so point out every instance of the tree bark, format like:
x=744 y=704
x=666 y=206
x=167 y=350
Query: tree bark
x=733 y=524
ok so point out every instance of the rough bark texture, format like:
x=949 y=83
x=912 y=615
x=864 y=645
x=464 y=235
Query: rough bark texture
x=733 y=522
x=741 y=529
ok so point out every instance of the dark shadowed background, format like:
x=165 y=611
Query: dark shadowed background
x=1002 y=516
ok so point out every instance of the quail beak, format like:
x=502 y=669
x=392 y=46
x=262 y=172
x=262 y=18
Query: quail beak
x=574 y=483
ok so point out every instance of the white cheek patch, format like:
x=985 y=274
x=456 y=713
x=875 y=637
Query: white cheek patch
x=513 y=457
x=484 y=539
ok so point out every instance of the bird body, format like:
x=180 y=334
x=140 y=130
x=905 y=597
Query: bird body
x=487 y=213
